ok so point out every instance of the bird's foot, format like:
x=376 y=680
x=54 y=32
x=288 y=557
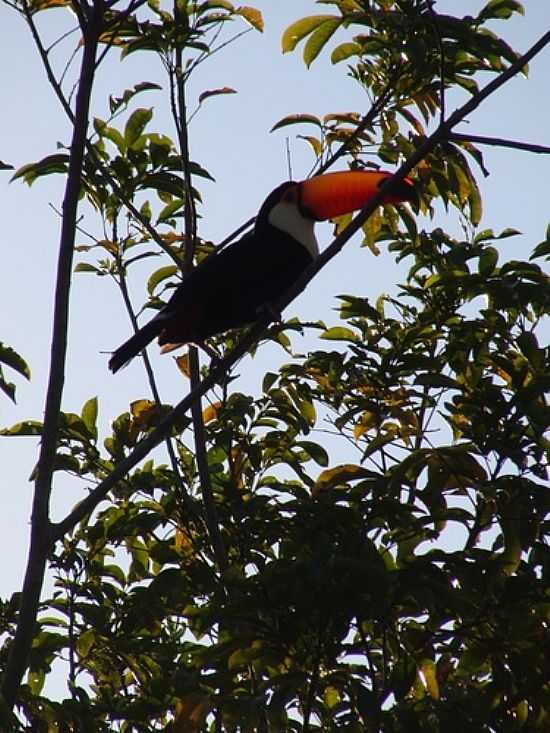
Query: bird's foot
x=215 y=363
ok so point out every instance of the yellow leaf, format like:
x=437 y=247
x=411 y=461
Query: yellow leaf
x=171 y=237
x=331 y=477
x=427 y=673
x=140 y=408
x=300 y=29
x=183 y=365
x=109 y=245
x=367 y=421
x=211 y=412
x=183 y=542
x=314 y=142
x=252 y=16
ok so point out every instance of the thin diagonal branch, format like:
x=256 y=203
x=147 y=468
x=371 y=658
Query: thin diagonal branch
x=500 y=142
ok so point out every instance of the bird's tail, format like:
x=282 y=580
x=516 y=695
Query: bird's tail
x=134 y=345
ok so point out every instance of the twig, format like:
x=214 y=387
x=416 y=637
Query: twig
x=500 y=142
x=239 y=230
x=192 y=66
x=437 y=31
x=288 y=159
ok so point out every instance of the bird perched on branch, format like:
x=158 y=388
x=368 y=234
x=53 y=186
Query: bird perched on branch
x=229 y=290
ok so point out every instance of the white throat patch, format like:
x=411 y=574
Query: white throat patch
x=286 y=217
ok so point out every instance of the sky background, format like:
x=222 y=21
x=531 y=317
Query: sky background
x=230 y=137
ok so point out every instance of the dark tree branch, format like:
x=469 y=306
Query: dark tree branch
x=40 y=542
x=500 y=142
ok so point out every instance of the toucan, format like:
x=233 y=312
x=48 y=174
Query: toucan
x=229 y=289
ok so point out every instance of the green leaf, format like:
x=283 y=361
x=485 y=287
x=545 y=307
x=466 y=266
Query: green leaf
x=27 y=428
x=316 y=451
x=8 y=388
x=297 y=120
x=35 y=680
x=339 y=333
x=303 y=27
x=11 y=358
x=159 y=275
x=57 y=163
x=85 y=642
x=474 y=200
x=345 y=51
x=136 y=124
x=169 y=210
x=488 y=261
x=89 y=415
x=436 y=380
x=500 y=9
x=307 y=411
x=110 y=133
x=65 y=462
x=87 y=267
x=269 y=380
x=317 y=41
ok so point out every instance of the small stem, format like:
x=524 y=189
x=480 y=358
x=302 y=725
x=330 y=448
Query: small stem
x=179 y=110
x=437 y=31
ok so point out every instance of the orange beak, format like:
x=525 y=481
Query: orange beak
x=334 y=194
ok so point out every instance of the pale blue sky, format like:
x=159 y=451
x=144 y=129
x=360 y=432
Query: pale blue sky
x=231 y=138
